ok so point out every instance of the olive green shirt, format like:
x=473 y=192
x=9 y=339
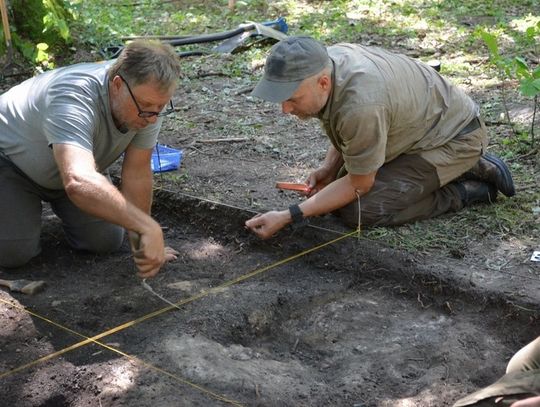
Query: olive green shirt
x=383 y=105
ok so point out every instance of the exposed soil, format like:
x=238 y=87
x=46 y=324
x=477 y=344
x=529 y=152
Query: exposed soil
x=350 y=323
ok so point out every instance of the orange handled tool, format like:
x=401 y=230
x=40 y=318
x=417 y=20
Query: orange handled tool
x=293 y=186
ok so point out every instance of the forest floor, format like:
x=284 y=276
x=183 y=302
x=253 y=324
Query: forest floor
x=318 y=316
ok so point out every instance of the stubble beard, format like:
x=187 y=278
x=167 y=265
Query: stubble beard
x=120 y=124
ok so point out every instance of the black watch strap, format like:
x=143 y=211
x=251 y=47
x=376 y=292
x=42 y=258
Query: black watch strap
x=296 y=214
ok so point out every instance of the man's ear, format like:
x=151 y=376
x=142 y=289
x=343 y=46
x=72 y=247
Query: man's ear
x=116 y=83
x=325 y=82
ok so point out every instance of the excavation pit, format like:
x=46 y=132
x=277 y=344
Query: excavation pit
x=311 y=317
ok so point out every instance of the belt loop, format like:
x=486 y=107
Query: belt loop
x=470 y=127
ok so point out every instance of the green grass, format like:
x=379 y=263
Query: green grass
x=451 y=234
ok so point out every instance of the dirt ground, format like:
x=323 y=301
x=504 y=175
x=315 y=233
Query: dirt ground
x=312 y=317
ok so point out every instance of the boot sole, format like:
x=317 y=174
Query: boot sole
x=505 y=183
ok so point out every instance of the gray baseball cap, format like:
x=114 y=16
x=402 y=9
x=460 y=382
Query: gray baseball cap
x=290 y=62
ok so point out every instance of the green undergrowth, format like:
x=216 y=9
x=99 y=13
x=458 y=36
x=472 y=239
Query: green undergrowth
x=439 y=29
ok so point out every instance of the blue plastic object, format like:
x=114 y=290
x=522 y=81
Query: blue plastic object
x=279 y=24
x=165 y=158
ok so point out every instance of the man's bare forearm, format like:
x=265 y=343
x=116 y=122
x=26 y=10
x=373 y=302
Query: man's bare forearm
x=336 y=195
x=333 y=160
x=138 y=191
x=94 y=194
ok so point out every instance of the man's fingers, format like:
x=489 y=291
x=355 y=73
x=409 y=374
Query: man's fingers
x=254 y=222
x=170 y=250
x=149 y=268
x=146 y=268
x=260 y=230
x=170 y=254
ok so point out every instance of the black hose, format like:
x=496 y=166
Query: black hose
x=154 y=37
x=192 y=53
x=210 y=37
x=112 y=52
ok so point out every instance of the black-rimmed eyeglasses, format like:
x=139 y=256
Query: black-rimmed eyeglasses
x=144 y=113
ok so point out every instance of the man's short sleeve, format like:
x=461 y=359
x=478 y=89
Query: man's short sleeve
x=70 y=117
x=363 y=132
x=147 y=137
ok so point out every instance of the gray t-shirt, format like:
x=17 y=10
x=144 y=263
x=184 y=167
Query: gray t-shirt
x=68 y=105
x=384 y=105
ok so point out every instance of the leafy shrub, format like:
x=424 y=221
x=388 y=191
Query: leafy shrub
x=40 y=26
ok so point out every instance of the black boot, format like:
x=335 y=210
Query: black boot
x=493 y=170
x=472 y=192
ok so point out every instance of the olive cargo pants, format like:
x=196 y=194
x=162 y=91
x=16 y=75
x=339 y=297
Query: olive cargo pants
x=20 y=219
x=418 y=186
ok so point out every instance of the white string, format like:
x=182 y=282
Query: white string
x=147 y=286
x=359 y=229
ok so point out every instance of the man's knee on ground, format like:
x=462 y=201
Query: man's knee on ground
x=370 y=216
x=105 y=242
x=16 y=253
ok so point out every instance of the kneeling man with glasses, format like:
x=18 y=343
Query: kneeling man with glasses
x=61 y=130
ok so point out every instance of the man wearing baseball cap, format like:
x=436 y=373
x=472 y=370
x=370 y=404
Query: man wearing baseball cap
x=406 y=144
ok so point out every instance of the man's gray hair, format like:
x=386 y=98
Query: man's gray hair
x=144 y=61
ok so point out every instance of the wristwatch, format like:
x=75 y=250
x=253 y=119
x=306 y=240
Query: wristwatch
x=297 y=215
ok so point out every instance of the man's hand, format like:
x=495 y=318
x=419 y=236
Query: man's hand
x=327 y=172
x=319 y=179
x=528 y=402
x=147 y=261
x=149 y=254
x=267 y=224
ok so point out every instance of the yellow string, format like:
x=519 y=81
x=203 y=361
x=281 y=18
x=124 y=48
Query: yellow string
x=95 y=339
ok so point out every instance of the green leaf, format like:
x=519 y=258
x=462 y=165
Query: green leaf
x=521 y=63
x=27 y=50
x=63 y=29
x=522 y=69
x=491 y=42
x=41 y=53
x=529 y=88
